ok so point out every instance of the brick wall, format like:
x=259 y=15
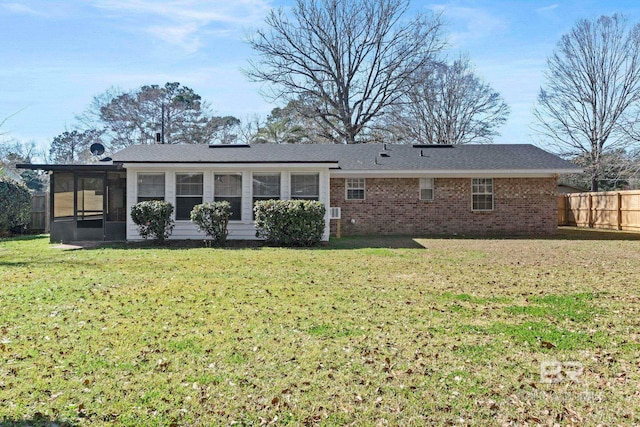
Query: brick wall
x=392 y=206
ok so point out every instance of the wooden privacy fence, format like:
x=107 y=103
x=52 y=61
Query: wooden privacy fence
x=612 y=210
x=39 y=212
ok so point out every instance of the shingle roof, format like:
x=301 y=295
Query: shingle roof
x=359 y=157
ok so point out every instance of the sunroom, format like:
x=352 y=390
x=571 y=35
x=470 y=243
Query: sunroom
x=88 y=202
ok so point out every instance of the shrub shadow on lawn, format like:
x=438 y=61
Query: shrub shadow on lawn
x=417 y=242
x=23 y=237
x=42 y=421
x=352 y=242
x=575 y=233
x=173 y=245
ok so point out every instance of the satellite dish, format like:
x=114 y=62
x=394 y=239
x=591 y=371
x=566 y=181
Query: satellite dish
x=96 y=149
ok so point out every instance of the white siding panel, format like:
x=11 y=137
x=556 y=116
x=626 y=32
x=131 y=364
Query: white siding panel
x=132 y=197
x=207 y=187
x=170 y=187
x=247 y=205
x=237 y=231
x=285 y=185
x=326 y=200
x=186 y=230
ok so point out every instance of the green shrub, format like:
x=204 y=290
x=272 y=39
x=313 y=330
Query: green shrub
x=213 y=219
x=153 y=219
x=15 y=206
x=290 y=222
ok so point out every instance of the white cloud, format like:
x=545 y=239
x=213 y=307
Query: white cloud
x=184 y=22
x=547 y=8
x=184 y=35
x=20 y=8
x=469 y=23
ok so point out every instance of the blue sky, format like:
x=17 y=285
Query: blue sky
x=55 y=56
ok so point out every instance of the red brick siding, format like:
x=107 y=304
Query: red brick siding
x=393 y=206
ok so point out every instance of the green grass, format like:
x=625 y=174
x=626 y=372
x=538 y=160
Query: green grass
x=363 y=331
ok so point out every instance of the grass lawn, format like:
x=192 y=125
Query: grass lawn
x=366 y=332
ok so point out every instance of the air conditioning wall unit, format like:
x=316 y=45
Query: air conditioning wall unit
x=334 y=213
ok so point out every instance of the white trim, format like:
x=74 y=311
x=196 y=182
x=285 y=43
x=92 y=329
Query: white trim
x=470 y=173
x=213 y=191
x=334 y=172
x=431 y=187
x=346 y=188
x=137 y=174
x=175 y=192
x=258 y=167
x=252 y=199
x=292 y=174
x=493 y=196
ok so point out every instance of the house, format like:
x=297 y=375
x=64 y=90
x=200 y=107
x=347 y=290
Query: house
x=379 y=188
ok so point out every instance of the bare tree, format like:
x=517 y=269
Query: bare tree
x=449 y=105
x=619 y=170
x=3 y=121
x=74 y=146
x=14 y=153
x=351 y=59
x=174 y=113
x=592 y=88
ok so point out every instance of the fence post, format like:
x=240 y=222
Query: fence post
x=47 y=212
x=619 y=209
x=590 y=208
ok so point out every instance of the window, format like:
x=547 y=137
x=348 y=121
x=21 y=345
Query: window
x=150 y=186
x=116 y=196
x=266 y=186
x=188 y=194
x=62 y=196
x=305 y=186
x=90 y=201
x=228 y=187
x=355 y=188
x=482 y=194
x=426 y=188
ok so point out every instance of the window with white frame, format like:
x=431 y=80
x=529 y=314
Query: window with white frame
x=305 y=186
x=355 y=188
x=482 y=194
x=188 y=194
x=266 y=186
x=228 y=187
x=426 y=188
x=150 y=186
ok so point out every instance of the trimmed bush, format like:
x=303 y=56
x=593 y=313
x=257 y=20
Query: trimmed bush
x=15 y=206
x=213 y=219
x=153 y=219
x=290 y=222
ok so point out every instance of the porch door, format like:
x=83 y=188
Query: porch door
x=90 y=207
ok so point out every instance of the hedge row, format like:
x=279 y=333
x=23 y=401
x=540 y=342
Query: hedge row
x=290 y=222
x=280 y=222
x=15 y=206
